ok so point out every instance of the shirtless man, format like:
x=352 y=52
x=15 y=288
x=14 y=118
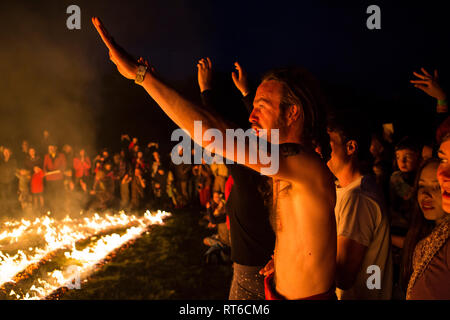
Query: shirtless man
x=303 y=189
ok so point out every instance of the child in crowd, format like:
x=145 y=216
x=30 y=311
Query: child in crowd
x=37 y=188
x=401 y=185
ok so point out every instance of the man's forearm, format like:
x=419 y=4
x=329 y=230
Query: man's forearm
x=182 y=111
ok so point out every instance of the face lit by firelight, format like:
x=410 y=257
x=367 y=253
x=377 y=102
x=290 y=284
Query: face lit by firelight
x=266 y=107
x=51 y=149
x=407 y=160
x=429 y=193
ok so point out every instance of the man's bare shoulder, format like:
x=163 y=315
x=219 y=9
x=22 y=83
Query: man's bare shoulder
x=308 y=173
x=298 y=165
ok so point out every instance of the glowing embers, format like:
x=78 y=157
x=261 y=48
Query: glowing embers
x=64 y=251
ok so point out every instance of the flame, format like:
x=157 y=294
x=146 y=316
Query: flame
x=55 y=235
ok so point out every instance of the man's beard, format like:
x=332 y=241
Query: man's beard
x=280 y=124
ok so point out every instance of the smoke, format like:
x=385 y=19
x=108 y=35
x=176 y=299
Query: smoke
x=62 y=81
x=47 y=78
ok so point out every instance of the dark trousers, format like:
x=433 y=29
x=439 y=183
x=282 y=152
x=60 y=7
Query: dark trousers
x=247 y=283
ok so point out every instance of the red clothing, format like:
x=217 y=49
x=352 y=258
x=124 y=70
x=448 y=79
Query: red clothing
x=272 y=294
x=53 y=164
x=228 y=186
x=81 y=167
x=205 y=196
x=37 y=182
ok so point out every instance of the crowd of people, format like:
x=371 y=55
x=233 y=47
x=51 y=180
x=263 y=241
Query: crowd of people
x=39 y=179
x=388 y=208
x=350 y=214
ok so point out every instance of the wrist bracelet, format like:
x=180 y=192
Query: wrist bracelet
x=142 y=69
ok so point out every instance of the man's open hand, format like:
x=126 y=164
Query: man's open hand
x=268 y=269
x=429 y=84
x=204 y=74
x=240 y=79
x=125 y=63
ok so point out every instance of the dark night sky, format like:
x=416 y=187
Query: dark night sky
x=63 y=80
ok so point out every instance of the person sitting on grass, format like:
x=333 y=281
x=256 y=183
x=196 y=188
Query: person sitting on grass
x=215 y=210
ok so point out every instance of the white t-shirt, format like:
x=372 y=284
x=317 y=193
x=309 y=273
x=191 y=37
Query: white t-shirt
x=361 y=216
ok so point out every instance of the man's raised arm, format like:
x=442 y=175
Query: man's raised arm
x=179 y=109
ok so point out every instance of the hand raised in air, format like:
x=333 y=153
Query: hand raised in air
x=126 y=64
x=240 y=79
x=204 y=74
x=429 y=84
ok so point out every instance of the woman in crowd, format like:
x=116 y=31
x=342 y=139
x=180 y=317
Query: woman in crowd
x=429 y=263
x=427 y=214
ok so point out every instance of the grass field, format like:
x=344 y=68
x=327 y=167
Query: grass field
x=165 y=263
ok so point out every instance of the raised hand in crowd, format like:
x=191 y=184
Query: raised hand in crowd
x=429 y=84
x=240 y=79
x=204 y=67
x=126 y=179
